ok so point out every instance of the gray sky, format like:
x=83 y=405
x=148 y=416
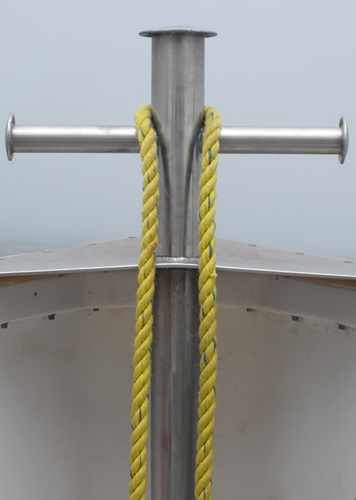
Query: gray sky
x=275 y=63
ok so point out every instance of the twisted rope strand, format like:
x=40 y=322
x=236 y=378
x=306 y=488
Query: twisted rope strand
x=144 y=310
x=207 y=301
x=208 y=308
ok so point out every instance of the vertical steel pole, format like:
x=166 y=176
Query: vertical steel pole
x=178 y=99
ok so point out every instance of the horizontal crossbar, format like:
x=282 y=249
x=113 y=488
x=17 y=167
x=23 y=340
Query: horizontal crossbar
x=235 y=140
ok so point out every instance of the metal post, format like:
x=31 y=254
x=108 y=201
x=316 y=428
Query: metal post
x=178 y=99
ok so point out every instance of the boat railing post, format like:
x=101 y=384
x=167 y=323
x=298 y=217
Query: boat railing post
x=178 y=100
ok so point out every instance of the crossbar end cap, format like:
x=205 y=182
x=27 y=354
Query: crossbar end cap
x=345 y=140
x=8 y=137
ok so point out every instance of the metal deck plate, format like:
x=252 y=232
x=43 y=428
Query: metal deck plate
x=124 y=253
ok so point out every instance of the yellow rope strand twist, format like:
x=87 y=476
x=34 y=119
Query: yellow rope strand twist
x=208 y=308
x=144 y=311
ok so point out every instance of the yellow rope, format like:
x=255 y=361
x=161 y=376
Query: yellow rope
x=207 y=301
x=144 y=313
x=208 y=308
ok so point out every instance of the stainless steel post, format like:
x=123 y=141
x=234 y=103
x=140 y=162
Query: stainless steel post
x=178 y=99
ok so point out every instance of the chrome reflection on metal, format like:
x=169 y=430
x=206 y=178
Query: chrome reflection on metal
x=178 y=100
x=178 y=30
x=69 y=139
x=345 y=140
x=238 y=140
x=8 y=137
x=175 y=378
x=285 y=140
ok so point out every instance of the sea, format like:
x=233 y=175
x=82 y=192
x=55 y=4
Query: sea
x=19 y=247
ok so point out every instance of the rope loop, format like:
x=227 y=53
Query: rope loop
x=144 y=310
